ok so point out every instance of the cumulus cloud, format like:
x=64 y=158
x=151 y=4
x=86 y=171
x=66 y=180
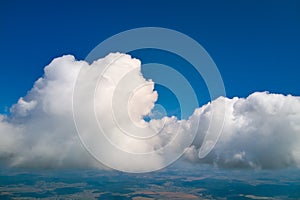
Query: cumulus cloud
x=260 y=131
x=40 y=131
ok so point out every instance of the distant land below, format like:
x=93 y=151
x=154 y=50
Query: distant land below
x=201 y=182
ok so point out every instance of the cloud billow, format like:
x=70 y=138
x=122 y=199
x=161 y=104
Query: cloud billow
x=260 y=131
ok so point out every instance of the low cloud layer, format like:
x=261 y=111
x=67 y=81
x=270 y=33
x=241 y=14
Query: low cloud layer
x=260 y=131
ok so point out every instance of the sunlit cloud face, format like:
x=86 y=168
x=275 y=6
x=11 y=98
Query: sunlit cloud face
x=260 y=131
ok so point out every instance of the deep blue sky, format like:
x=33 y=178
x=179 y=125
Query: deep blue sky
x=255 y=44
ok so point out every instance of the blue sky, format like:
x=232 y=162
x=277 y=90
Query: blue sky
x=255 y=44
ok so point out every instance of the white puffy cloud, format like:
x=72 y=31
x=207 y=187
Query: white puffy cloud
x=260 y=131
x=40 y=131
